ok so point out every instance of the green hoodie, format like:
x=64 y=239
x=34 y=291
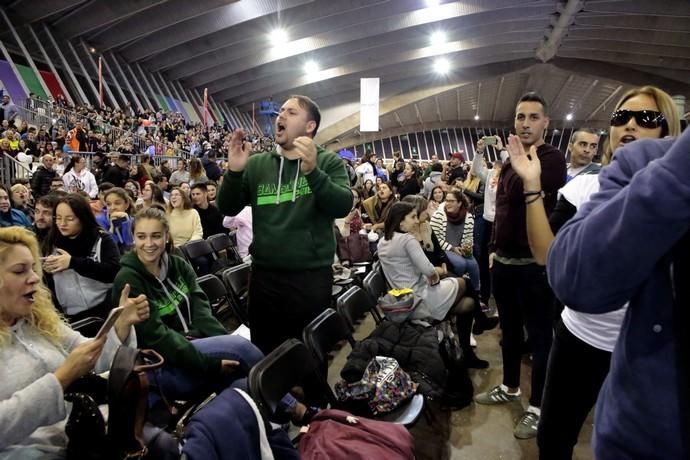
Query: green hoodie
x=293 y=229
x=179 y=309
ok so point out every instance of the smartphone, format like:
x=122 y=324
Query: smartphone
x=110 y=321
x=490 y=140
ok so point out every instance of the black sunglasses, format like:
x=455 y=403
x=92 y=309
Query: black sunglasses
x=648 y=119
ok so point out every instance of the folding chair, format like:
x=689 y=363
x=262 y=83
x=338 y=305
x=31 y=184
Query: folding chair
x=218 y=297
x=288 y=366
x=200 y=255
x=353 y=305
x=375 y=285
x=224 y=248
x=322 y=335
x=236 y=280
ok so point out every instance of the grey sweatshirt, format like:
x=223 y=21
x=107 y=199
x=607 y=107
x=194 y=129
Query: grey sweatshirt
x=32 y=405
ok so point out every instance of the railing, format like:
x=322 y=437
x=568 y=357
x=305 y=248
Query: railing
x=57 y=114
x=134 y=158
x=10 y=168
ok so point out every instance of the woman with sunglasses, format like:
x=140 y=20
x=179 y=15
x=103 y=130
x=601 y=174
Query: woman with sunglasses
x=582 y=347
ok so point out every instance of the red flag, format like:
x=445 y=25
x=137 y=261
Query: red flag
x=100 y=80
x=205 y=107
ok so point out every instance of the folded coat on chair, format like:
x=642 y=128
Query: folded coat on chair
x=414 y=347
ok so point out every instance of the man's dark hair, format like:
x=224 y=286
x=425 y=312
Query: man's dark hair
x=437 y=167
x=532 y=96
x=211 y=182
x=573 y=137
x=201 y=186
x=396 y=215
x=105 y=186
x=312 y=109
x=51 y=199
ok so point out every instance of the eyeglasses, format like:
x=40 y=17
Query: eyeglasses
x=648 y=119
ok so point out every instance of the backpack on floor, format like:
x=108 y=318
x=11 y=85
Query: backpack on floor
x=338 y=435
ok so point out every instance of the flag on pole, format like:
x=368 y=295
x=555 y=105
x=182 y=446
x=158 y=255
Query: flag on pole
x=205 y=107
x=100 y=80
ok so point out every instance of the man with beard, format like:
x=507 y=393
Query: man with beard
x=522 y=293
x=295 y=193
x=43 y=215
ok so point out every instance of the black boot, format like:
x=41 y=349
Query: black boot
x=482 y=322
x=464 y=326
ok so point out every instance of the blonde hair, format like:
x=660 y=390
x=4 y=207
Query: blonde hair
x=44 y=317
x=666 y=107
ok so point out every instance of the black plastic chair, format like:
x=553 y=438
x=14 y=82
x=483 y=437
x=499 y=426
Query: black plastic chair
x=288 y=366
x=200 y=255
x=353 y=305
x=224 y=248
x=88 y=327
x=375 y=285
x=330 y=328
x=218 y=297
x=236 y=280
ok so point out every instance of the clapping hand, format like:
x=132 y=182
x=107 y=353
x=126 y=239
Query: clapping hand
x=238 y=151
x=306 y=149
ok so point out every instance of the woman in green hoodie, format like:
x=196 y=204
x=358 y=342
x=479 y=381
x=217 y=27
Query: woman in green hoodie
x=199 y=353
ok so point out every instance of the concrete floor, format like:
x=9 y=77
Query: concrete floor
x=476 y=432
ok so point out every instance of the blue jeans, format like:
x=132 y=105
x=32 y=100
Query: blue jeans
x=461 y=265
x=175 y=383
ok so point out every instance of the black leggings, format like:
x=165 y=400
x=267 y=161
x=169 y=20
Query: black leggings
x=574 y=377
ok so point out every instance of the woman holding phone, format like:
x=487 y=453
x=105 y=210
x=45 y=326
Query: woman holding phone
x=41 y=354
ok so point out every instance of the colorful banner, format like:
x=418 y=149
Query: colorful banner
x=161 y=102
x=11 y=84
x=193 y=115
x=53 y=84
x=100 y=80
x=31 y=81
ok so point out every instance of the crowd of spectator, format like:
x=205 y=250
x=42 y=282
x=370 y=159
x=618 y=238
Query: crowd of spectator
x=106 y=217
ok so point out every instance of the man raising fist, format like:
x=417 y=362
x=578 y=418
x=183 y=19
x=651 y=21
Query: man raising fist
x=295 y=193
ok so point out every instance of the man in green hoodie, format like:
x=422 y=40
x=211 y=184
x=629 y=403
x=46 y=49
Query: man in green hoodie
x=295 y=193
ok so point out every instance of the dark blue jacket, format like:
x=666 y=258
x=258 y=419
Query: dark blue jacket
x=14 y=217
x=619 y=247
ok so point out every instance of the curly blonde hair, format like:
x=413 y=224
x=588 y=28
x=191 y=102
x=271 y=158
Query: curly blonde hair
x=44 y=317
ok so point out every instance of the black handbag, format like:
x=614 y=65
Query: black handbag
x=126 y=393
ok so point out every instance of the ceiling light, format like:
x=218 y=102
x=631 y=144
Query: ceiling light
x=438 y=38
x=569 y=117
x=278 y=37
x=311 y=67
x=441 y=66
x=476 y=118
x=431 y=3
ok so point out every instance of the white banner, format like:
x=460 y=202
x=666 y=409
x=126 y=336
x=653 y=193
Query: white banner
x=369 y=105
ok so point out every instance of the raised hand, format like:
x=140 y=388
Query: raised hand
x=238 y=151
x=527 y=166
x=306 y=149
x=136 y=308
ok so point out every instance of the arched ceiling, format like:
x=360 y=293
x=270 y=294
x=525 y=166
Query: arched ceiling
x=578 y=54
